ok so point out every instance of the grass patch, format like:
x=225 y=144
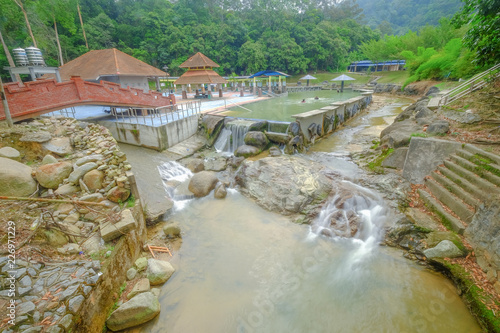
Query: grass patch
x=375 y=165
x=397 y=77
x=420 y=135
x=483 y=164
x=376 y=143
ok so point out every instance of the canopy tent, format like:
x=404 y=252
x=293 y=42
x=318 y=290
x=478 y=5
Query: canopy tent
x=308 y=77
x=343 y=78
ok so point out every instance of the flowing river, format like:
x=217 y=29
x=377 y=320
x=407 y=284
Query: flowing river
x=244 y=269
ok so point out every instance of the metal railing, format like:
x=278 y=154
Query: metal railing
x=157 y=116
x=474 y=83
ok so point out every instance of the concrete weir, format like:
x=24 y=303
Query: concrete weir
x=316 y=123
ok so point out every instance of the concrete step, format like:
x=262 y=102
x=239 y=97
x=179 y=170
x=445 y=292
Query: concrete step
x=465 y=184
x=434 y=103
x=473 y=149
x=455 y=204
x=447 y=219
x=471 y=163
x=466 y=197
x=485 y=185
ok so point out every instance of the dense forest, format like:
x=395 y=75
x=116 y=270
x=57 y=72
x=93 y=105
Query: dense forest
x=396 y=17
x=294 y=36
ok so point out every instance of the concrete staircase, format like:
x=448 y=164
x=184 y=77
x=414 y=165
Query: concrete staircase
x=467 y=179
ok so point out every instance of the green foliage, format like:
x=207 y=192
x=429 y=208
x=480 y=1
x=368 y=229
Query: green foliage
x=483 y=20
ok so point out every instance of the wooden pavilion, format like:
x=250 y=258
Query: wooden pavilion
x=199 y=72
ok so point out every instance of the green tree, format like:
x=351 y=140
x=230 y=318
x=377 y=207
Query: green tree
x=483 y=18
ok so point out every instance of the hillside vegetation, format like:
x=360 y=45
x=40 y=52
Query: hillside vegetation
x=293 y=36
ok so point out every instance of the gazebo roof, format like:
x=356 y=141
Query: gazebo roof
x=308 y=77
x=200 y=77
x=198 y=60
x=96 y=63
x=343 y=77
x=267 y=73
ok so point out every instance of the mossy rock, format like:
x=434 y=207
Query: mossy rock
x=435 y=237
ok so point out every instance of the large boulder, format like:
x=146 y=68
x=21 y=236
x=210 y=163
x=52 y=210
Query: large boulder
x=246 y=151
x=202 y=183
x=399 y=133
x=137 y=311
x=256 y=139
x=284 y=184
x=51 y=175
x=39 y=136
x=438 y=127
x=215 y=164
x=159 y=271
x=15 y=179
x=118 y=194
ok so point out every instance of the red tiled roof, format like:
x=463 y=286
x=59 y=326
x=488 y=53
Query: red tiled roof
x=200 y=77
x=198 y=60
x=93 y=64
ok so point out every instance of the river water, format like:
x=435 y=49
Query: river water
x=244 y=269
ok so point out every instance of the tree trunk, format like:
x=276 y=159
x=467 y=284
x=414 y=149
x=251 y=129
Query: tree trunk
x=61 y=62
x=83 y=29
x=9 y=57
x=20 y=4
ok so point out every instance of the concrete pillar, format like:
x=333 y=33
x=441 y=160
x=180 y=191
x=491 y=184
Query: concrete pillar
x=202 y=88
x=242 y=90
x=184 y=93
x=260 y=92
x=269 y=88
x=254 y=86
x=157 y=83
x=219 y=87
x=189 y=88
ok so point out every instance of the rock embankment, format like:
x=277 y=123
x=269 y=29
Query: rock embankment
x=69 y=194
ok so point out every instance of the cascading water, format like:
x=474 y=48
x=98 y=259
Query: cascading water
x=175 y=177
x=232 y=135
x=359 y=218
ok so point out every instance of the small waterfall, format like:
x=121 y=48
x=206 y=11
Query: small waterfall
x=354 y=213
x=175 y=181
x=232 y=136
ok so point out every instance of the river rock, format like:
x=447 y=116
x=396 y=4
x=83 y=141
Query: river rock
x=9 y=152
x=202 y=183
x=278 y=137
x=194 y=164
x=212 y=123
x=131 y=273
x=138 y=310
x=141 y=264
x=172 y=230
x=118 y=194
x=51 y=175
x=141 y=286
x=157 y=209
x=432 y=91
x=215 y=164
x=66 y=190
x=422 y=111
x=246 y=151
x=256 y=139
x=220 y=191
x=274 y=152
x=399 y=133
x=445 y=249
x=258 y=126
x=397 y=159
x=16 y=179
x=294 y=128
x=93 y=180
x=55 y=237
x=87 y=159
x=284 y=184
x=438 y=127
x=80 y=171
x=49 y=159
x=159 y=271
x=40 y=137
x=59 y=146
